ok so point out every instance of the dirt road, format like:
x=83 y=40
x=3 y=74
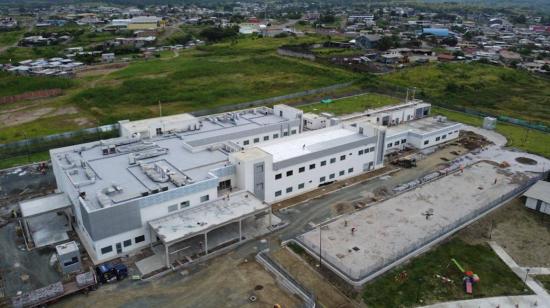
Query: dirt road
x=225 y=281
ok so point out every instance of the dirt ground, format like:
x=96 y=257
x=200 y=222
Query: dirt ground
x=523 y=233
x=327 y=295
x=11 y=118
x=225 y=281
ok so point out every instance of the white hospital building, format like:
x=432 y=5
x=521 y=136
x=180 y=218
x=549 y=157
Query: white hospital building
x=194 y=185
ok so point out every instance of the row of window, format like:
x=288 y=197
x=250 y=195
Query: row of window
x=279 y=176
x=126 y=243
x=442 y=137
x=184 y=204
x=396 y=143
x=266 y=138
x=322 y=179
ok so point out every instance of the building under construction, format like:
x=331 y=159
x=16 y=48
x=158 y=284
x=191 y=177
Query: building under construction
x=194 y=184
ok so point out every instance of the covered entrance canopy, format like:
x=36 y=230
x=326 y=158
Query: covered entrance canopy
x=41 y=222
x=220 y=223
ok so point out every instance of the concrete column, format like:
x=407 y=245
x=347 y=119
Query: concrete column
x=205 y=243
x=269 y=213
x=240 y=230
x=166 y=246
x=27 y=232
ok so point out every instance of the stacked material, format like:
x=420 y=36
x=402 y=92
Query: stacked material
x=85 y=279
x=38 y=296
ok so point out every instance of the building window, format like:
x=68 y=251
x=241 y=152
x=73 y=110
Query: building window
x=372 y=149
x=293 y=132
x=444 y=136
x=397 y=142
x=301 y=169
x=246 y=142
x=266 y=138
x=324 y=163
x=331 y=176
x=426 y=142
x=275 y=136
x=140 y=239
x=403 y=141
x=350 y=170
x=389 y=145
x=332 y=160
x=322 y=179
x=289 y=173
x=205 y=198
x=312 y=166
x=437 y=138
x=184 y=204
x=127 y=243
x=172 y=208
x=159 y=131
x=106 y=249
x=342 y=173
x=343 y=157
x=278 y=176
x=285 y=134
x=360 y=152
x=278 y=193
x=288 y=190
x=300 y=186
x=256 y=140
x=366 y=150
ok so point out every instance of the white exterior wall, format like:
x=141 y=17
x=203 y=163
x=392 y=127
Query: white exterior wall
x=532 y=204
x=396 y=142
x=311 y=177
x=147 y=214
x=269 y=136
x=422 y=142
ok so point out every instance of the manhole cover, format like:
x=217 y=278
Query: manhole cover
x=526 y=161
x=258 y=287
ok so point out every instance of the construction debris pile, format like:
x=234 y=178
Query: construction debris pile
x=85 y=279
x=454 y=165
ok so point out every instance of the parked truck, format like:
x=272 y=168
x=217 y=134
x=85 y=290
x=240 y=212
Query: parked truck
x=108 y=272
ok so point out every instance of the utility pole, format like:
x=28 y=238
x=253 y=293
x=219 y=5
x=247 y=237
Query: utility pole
x=160 y=108
x=320 y=245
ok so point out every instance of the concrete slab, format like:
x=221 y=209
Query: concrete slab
x=501 y=301
x=48 y=229
x=151 y=263
x=392 y=228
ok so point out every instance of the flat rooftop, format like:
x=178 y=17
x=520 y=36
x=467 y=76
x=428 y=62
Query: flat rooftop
x=186 y=156
x=421 y=126
x=309 y=142
x=387 y=229
x=189 y=222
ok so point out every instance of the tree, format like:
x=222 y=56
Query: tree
x=385 y=43
x=215 y=34
x=327 y=18
x=450 y=41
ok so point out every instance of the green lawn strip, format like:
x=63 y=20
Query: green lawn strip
x=351 y=104
x=24 y=159
x=530 y=140
x=10 y=37
x=419 y=284
x=544 y=280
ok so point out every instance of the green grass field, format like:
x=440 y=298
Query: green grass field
x=491 y=89
x=532 y=141
x=215 y=75
x=11 y=84
x=351 y=104
x=8 y=38
x=420 y=285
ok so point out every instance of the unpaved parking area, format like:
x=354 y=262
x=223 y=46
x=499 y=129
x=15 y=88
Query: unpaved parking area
x=225 y=281
x=523 y=233
x=327 y=295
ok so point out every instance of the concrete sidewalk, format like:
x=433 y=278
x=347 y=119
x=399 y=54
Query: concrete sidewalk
x=543 y=296
x=493 y=302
